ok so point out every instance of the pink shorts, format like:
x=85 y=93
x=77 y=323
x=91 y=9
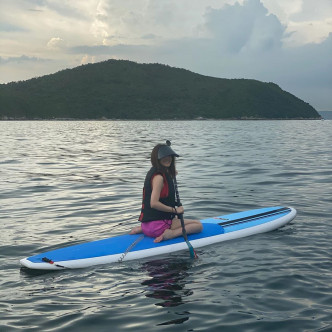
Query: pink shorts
x=156 y=227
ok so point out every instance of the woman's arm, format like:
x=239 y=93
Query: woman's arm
x=157 y=186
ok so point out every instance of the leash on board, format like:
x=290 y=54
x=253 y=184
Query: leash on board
x=140 y=238
x=130 y=247
x=47 y=260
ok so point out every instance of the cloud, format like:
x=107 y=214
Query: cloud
x=21 y=59
x=234 y=29
x=149 y=36
x=8 y=27
x=55 y=43
x=88 y=59
x=310 y=10
x=306 y=32
x=248 y=27
x=306 y=21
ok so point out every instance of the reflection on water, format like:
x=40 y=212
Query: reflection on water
x=168 y=281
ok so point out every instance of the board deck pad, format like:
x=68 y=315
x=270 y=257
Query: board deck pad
x=126 y=247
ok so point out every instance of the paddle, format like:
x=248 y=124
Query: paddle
x=184 y=233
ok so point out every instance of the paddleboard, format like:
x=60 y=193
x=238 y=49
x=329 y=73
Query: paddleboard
x=129 y=247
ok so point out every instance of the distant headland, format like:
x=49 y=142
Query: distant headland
x=125 y=90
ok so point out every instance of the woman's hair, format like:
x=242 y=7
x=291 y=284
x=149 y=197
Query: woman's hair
x=156 y=162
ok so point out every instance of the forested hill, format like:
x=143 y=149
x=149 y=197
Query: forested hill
x=118 y=89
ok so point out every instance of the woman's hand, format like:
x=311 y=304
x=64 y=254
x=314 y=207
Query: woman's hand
x=180 y=210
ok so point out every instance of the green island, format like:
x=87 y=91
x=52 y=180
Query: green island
x=125 y=90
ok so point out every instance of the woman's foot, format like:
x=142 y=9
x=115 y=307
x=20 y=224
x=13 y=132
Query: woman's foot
x=191 y=228
x=167 y=235
x=136 y=230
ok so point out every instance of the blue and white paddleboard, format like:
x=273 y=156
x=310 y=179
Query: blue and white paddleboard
x=129 y=247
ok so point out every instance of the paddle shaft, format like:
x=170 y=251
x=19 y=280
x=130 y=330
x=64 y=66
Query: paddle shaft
x=184 y=233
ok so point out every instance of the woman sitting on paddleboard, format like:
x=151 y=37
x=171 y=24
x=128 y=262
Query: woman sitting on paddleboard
x=159 y=214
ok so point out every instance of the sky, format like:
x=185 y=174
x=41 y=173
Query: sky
x=288 y=42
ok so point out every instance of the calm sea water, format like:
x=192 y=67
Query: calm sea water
x=71 y=182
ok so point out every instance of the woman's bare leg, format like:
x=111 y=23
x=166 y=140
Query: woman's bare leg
x=191 y=227
x=136 y=230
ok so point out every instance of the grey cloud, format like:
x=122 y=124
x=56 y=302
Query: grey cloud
x=237 y=27
x=8 y=27
x=64 y=9
x=314 y=10
x=111 y=50
x=163 y=11
x=22 y=59
x=149 y=36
